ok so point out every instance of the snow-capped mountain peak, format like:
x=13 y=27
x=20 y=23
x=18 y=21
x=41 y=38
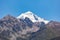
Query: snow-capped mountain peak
x=32 y=17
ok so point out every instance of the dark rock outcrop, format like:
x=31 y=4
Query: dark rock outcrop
x=12 y=28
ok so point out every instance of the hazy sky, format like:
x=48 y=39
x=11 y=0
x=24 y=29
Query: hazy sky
x=48 y=9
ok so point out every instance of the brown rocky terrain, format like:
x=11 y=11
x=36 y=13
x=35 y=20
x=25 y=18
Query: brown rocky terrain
x=12 y=28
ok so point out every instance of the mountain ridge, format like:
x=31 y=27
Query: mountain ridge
x=12 y=28
x=32 y=17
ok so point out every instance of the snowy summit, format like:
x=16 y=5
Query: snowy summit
x=32 y=17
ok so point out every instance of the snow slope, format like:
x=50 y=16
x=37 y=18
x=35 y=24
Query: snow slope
x=32 y=17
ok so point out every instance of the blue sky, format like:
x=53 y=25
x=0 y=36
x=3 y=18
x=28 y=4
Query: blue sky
x=48 y=9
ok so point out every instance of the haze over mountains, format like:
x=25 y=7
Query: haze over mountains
x=28 y=26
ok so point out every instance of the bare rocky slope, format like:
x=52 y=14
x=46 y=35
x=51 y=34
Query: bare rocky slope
x=12 y=28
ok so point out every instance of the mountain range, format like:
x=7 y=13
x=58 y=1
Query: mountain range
x=28 y=26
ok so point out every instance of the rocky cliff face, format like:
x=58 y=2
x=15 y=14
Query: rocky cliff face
x=12 y=28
